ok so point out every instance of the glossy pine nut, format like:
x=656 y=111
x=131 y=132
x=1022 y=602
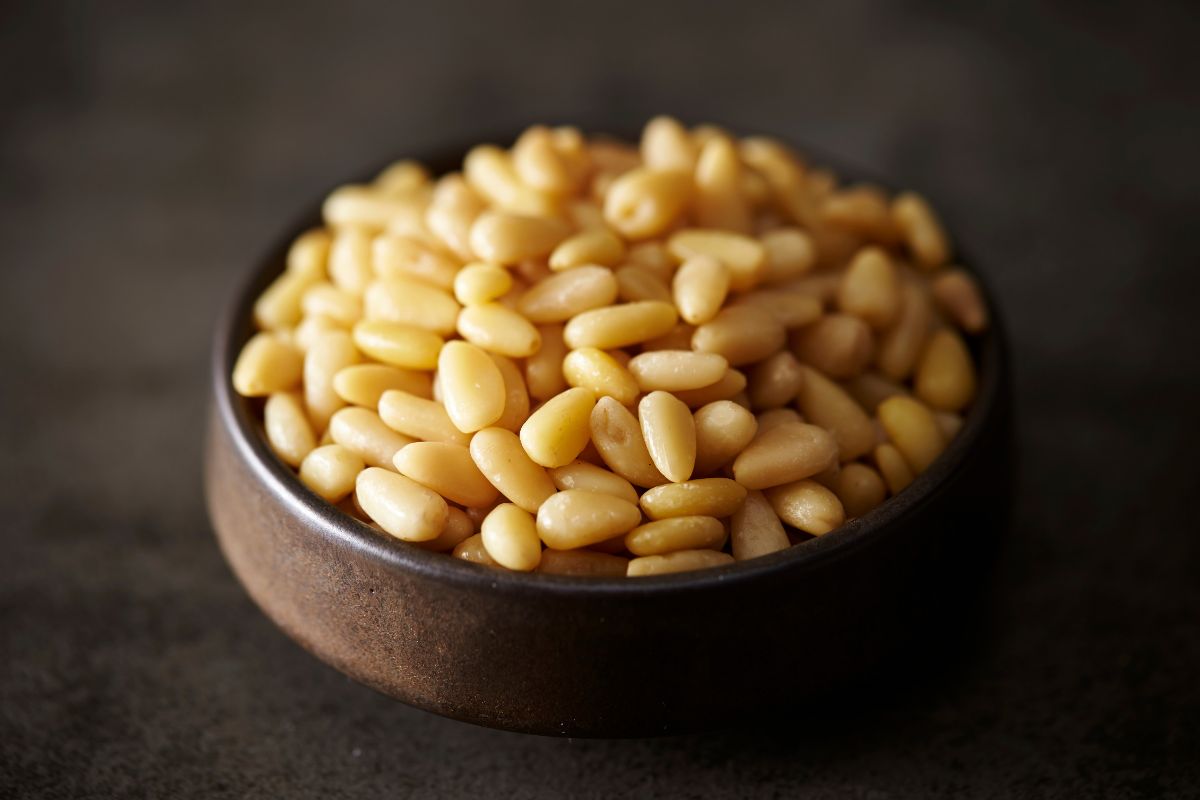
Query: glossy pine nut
x=330 y=471
x=578 y=518
x=504 y=238
x=676 y=533
x=516 y=395
x=583 y=564
x=793 y=309
x=510 y=537
x=958 y=296
x=597 y=246
x=730 y=385
x=600 y=373
x=807 y=505
x=589 y=477
x=745 y=257
x=719 y=202
x=498 y=329
x=279 y=306
x=620 y=325
x=618 y=437
x=775 y=381
x=503 y=461
x=327 y=300
x=839 y=345
x=402 y=178
x=351 y=262
x=309 y=254
x=921 y=230
x=755 y=529
x=870 y=289
x=397 y=344
x=473 y=389
x=405 y=257
x=913 y=429
x=825 y=403
x=329 y=354
x=699 y=288
x=555 y=434
x=894 y=469
x=785 y=454
x=945 y=377
x=402 y=507
x=709 y=497
x=364 y=384
x=472 y=549
x=670 y=434
x=544 y=369
x=267 y=364
x=742 y=334
x=860 y=488
x=645 y=202
x=562 y=296
x=363 y=433
x=679 y=561
x=862 y=210
x=538 y=163
x=723 y=429
x=288 y=429
x=453 y=208
x=790 y=253
x=901 y=345
x=362 y=206
x=411 y=302
x=676 y=370
x=480 y=283
x=870 y=389
x=419 y=418
x=636 y=283
x=667 y=145
x=459 y=528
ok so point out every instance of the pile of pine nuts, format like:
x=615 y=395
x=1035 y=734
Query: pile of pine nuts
x=585 y=357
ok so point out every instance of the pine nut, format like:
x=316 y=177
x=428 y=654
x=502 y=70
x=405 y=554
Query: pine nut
x=901 y=346
x=740 y=333
x=921 y=230
x=674 y=534
x=419 y=418
x=790 y=253
x=945 y=377
x=667 y=145
x=510 y=537
x=861 y=210
x=405 y=257
x=670 y=434
x=401 y=507
x=582 y=475
x=325 y=299
x=503 y=238
x=309 y=254
x=503 y=461
x=755 y=529
x=620 y=325
x=402 y=178
x=860 y=488
x=785 y=454
x=723 y=429
x=288 y=429
x=825 y=403
x=600 y=373
x=472 y=387
x=480 y=283
x=351 y=259
x=538 y=164
x=498 y=329
x=913 y=429
x=472 y=549
x=618 y=437
x=397 y=344
x=839 y=345
x=453 y=208
x=679 y=561
x=676 y=370
x=719 y=202
x=267 y=364
x=745 y=257
x=709 y=497
x=555 y=434
x=544 y=369
x=330 y=471
x=730 y=385
x=516 y=395
x=459 y=528
x=363 y=433
x=411 y=302
x=793 y=309
x=364 y=384
x=644 y=202
x=562 y=296
x=807 y=505
x=699 y=288
x=578 y=518
x=775 y=381
x=895 y=470
x=597 y=246
x=870 y=288
x=870 y=389
x=958 y=296
x=329 y=354
x=446 y=469
x=635 y=284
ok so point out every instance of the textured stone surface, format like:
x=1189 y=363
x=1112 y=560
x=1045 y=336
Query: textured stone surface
x=148 y=150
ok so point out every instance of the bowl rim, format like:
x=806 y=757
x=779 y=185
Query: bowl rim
x=233 y=413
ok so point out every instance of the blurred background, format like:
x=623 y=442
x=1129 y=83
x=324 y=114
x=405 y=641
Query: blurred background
x=150 y=152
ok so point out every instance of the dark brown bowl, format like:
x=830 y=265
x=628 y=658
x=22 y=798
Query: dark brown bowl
x=586 y=657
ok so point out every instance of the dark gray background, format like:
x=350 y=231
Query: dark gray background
x=148 y=152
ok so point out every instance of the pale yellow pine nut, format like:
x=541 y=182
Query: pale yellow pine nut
x=699 y=288
x=404 y=257
x=862 y=210
x=279 y=306
x=565 y=294
x=402 y=177
x=351 y=262
x=618 y=438
x=670 y=434
x=578 y=518
x=945 y=377
x=289 y=432
x=329 y=354
x=708 y=497
x=452 y=210
x=895 y=470
x=498 y=329
x=676 y=370
x=636 y=283
x=510 y=537
x=958 y=296
x=679 y=561
x=364 y=384
x=769 y=420
x=472 y=549
x=538 y=163
x=309 y=254
x=674 y=534
x=401 y=507
x=480 y=283
x=678 y=338
x=913 y=429
x=839 y=345
x=597 y=246
x=742 y=334
x=267 y=364
x=667 y=145
x=601 y=373
x=755 y=529
x=448 y=470
x=516 y=396
x=459 y=528
x=312 y=328
x=426 y=420
x=949 y=424
x=860 y=488
x=775 y=161
x=790 y=253
x=571 y=146
x=544 y=369
x=329 y=301
x=472 y=387
x=793 y=309
x=921 y=230
x=723 y=429
x=490 y=172
x=397 y=344
x=825 y=403
x=499 y=455
x=745 y=257
x=411 y=302
x=784 y=454
x=645 y=202
x=583 y=564
x=589 y=477
x=362 y=206
x=620 y=325
x=555 y=434
x=730 y=386
x=330 y=470
x=807 y=506
x=900 y=346
x=362 y=432
x=775 y=381
x=504 y=238
x=870 y=389
x=870 y=288
x=719 y=202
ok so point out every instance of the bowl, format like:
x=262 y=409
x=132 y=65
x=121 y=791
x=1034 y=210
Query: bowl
x=570 y=656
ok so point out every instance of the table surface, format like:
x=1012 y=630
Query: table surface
x=150 y=151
